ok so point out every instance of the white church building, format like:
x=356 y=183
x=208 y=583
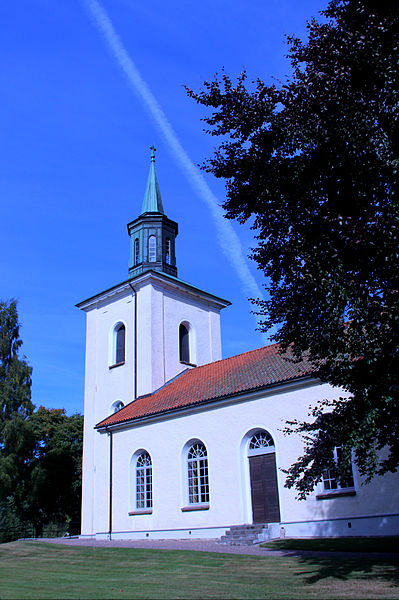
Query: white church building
x=180 y=443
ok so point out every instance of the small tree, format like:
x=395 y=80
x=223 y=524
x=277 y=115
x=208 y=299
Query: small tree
x=316 y=161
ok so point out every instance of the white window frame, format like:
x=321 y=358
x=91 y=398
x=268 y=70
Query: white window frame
x=143 y=482
x=192 y=343
x=197 y=469
x=136 y=252
x=267 y=448
x=331 y=478
x=152 y=248
x=112 y=344
x=168 y=251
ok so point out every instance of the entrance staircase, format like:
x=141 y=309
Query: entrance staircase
x=245 y=535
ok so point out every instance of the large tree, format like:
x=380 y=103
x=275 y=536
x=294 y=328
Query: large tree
x=315 y=162
x=16 y=440
x=56 y=468
x=40 y=450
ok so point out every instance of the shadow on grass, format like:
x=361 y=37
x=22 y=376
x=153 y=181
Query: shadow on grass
x=345 y=569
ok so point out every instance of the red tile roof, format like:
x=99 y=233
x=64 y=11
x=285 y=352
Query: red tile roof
x=224 y=378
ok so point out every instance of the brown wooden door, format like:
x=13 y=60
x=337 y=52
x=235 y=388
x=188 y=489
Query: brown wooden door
x=264 y=492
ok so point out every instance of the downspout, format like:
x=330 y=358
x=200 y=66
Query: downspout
x=110 y=482
x=135 y=340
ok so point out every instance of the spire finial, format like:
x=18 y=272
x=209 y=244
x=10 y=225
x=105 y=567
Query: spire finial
x=152 y=197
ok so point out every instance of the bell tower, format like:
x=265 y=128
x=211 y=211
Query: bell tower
x=152 y=234
x=140 y=334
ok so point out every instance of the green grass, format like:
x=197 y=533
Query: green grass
x=42 y=570
x=384 y=544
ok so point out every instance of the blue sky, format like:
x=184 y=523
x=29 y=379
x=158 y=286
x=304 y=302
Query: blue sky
x=74 y=158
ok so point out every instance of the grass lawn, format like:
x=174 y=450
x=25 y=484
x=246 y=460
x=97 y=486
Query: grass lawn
x=41 y=570
x=354 y=544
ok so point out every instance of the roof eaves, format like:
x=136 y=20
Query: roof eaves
x=119 y=287
x=205 y=402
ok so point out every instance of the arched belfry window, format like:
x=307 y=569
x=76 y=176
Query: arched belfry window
x=152 y=248
x=120 y=336
x=184 y=343
x=143 y=482
x=136 y=251
x=167 y=251
x=197 y=470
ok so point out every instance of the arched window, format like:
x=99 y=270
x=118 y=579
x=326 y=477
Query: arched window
x=197 y=470
x=117 y=405
x=152 y=248
x=167 y=251
x=184 y=344
x=120 y=332
x=143 y=481
x=261 y=443
x=136 y=251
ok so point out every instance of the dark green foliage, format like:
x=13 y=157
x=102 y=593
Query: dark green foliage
x=10 y=521
x=40 y=450
x=315 y=163
x=56 y=468
x=16 y=440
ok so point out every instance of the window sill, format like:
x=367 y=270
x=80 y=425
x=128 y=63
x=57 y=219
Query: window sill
x=192 y=507
x=116 y=365
x=335 y=494
x=183 y=362
x=147 y=511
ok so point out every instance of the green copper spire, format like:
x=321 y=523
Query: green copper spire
x=152 y=198
x=152 y=234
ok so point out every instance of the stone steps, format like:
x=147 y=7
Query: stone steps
x=243 y=535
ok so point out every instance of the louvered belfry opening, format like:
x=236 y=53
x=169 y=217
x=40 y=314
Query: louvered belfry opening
x=120 y=344
x=184 y=344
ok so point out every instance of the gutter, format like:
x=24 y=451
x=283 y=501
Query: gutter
x=110 y=483
x=240 y=397
x=135 y=340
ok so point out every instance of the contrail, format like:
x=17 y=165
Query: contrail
x=228 y=239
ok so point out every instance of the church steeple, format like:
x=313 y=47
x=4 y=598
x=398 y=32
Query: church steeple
x=152 y=234
x=152 y=198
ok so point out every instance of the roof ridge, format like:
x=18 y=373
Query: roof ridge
x=214 y=362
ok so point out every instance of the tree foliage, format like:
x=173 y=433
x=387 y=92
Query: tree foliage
x=56 y=466
x=15 y=402
x=315 y=162
x=40 y=450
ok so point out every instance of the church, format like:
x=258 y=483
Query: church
x=180 y=443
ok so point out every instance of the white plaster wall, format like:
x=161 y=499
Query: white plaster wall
x=204 y=321
x=160 y=312
x=222 y=431
x=102 y=387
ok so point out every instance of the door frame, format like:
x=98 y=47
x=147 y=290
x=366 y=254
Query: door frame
x=247 y=515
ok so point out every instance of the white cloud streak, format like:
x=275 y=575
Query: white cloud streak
x=227 y=237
